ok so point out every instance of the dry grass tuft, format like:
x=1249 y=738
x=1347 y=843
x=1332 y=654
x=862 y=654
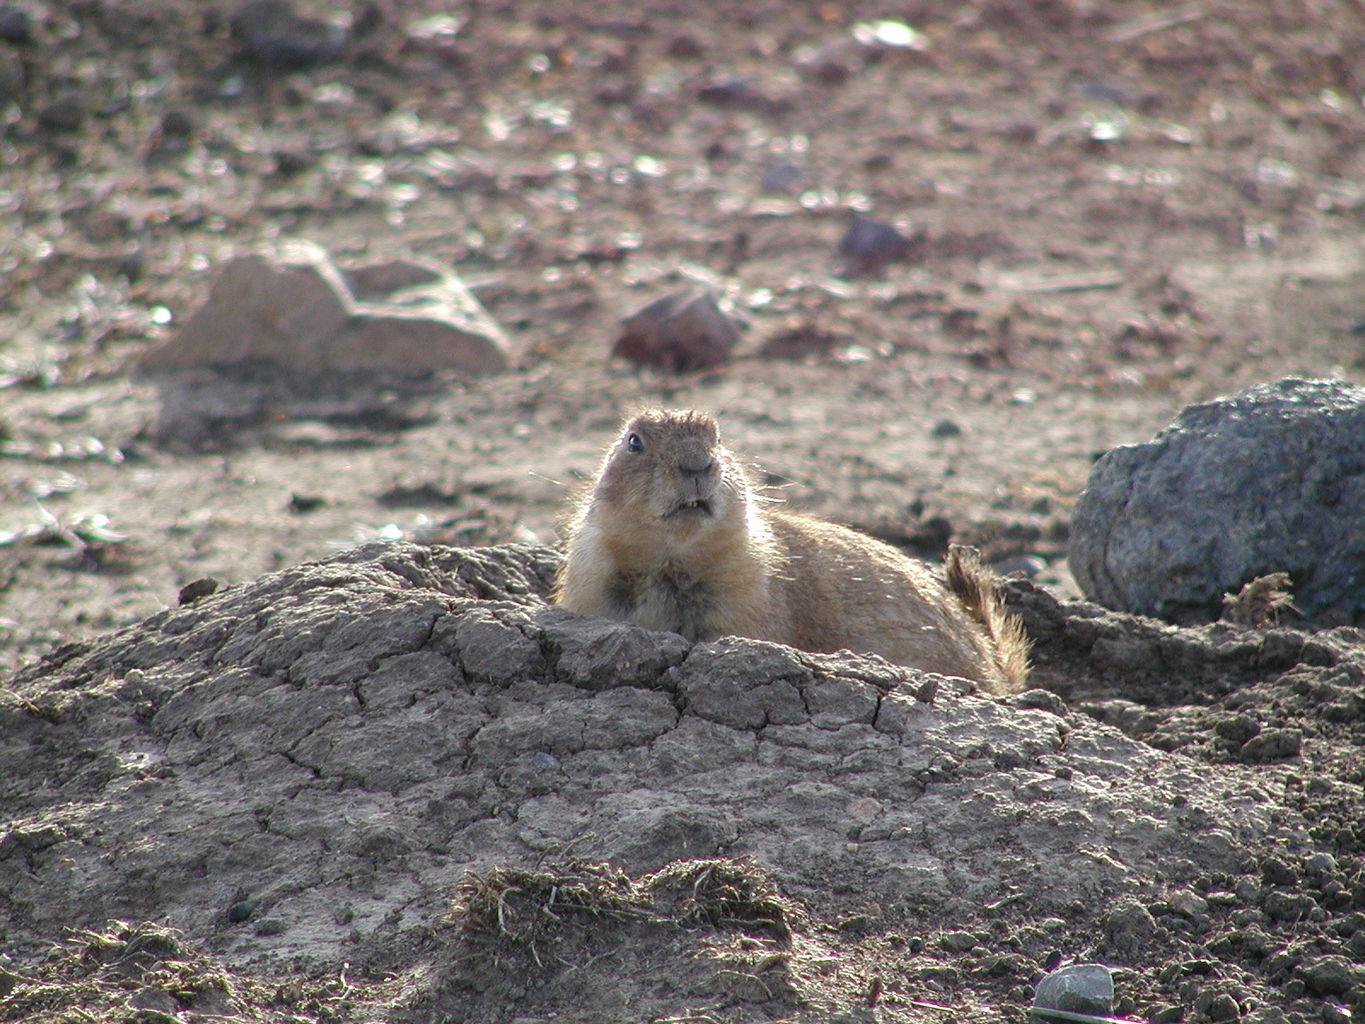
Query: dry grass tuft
x=732 y=894
x=144 y=973
x=1258 y=603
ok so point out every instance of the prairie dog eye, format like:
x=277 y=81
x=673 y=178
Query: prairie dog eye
x=634 y=444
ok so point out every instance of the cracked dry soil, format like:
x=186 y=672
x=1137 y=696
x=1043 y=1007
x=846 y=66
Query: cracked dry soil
x=401 y=759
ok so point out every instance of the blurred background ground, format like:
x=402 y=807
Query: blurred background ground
x=1114 y=209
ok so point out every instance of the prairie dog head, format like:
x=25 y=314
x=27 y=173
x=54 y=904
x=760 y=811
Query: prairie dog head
x=669 y=474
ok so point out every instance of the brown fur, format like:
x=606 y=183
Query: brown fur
x=638 y=551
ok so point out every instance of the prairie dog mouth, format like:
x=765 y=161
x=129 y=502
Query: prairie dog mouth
x=694 y=507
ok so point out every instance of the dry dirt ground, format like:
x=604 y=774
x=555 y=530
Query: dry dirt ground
x=1116 y=209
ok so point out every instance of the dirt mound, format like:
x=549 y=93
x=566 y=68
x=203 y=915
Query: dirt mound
x=301 y=772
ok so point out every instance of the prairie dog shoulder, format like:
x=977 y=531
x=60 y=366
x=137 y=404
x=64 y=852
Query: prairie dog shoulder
x=671 y=535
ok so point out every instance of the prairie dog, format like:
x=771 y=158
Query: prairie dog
x=672 y=536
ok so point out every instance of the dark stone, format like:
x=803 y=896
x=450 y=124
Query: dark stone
x=197 y=589
x=1277 y=872
x=1282 y=906
x=682 y=331
x=66 y=113
x=16 y=24
x=957 y=942
x=177 y=123
x=270 y=33
x=801 y=342
x=869 y=245
x=782 y=177
x=1272 y=745
x=1233 y=490
x=1223 y=1007
x=1237 y=728
x=1329 y=975
x=1130 y=932
x=240 y=911
x=945 y=428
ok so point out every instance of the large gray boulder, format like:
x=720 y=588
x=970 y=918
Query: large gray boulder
x=292 y=308
x=1270 y=480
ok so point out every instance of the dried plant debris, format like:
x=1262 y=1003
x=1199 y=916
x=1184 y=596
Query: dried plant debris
x=720 y=923
x=1259 y=602
x=511 y=907
x=145 y=972
x=526 y=907
x=722 y=893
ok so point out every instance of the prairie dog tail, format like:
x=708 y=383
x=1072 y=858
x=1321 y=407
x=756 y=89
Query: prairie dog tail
x=977 y=587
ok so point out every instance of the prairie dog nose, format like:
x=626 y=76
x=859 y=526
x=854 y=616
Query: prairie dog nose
x=695 y=462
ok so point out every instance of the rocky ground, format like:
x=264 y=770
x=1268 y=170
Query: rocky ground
x=1110 y=211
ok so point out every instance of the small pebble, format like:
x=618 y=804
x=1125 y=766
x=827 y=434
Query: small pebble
x=782 y=177
x=1272 y=745
x=197 y=590
x=66 y=113
x=1188 y=904
x=1223 y=1007
x=727 y=90
x=957 y=942
x=1237 y=728
x=686 y=46
x=302 y=504
x=868 y=245
x=945 y=428
x=1320 y=863
x=1277 y=872
x=272 y=34
x=16 y=24
x=683 y=331
x=177 y=123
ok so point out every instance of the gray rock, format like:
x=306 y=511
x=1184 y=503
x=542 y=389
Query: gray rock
x=1130 y=932
x=153 y=997
x=272 y=34
x=16 y=24
x=1330 y=975
x=65 y=113
x=1077 y=988
x=682 y=331
x=946 y=428
x=1270 y=480
x=958 y=942
x=1272 y=745
x=782 y=177
x=869 y=245
x=290 y=307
